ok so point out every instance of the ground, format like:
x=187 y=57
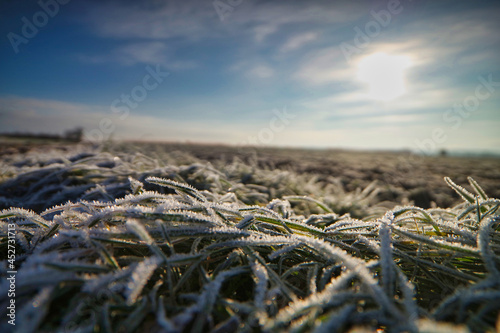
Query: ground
x=126 y=237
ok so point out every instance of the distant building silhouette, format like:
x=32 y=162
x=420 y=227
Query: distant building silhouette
x=74 y=135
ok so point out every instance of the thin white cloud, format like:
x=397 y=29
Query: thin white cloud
x=151 y=20
x=323 y=66
x=418 y=96
x=454 y=36
x=147 y=26
x=193 y=20
x=260 y=72
x=141 y=53
x=396 y=119
x=148 y=53
x=253 y=69
x=264 y=30
x=298 y=41
x=267 y=18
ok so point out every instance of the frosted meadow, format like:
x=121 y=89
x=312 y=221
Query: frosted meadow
x=249 y=166
x=118 y=241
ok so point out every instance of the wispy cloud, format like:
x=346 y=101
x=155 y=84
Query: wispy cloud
x=261 y=72
x=298 y=41
x=146 y=52
x=253 y=69
x=268 y=18
x=150 y=28
x=323 y=66
x=151 y=19
x=261 y=31
x=194 y=20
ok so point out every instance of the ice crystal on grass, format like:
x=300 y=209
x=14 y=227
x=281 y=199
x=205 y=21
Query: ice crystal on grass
x=483 y=243
x=125 y=242
x=386 y=252
x=178 y=187
x=139 y=278
x=261 y=279
x=28 y=216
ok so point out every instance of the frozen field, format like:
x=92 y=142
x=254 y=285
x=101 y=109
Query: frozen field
x=138 y=237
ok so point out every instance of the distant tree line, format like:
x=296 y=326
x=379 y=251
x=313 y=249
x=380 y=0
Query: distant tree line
x=72 y=135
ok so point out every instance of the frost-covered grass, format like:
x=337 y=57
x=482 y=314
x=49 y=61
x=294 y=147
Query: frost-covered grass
x=177 y=245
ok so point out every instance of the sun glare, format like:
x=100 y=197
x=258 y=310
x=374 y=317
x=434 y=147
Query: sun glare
x=384 y=75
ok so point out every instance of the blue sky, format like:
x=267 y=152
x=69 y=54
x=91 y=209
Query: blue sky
x=279 y=73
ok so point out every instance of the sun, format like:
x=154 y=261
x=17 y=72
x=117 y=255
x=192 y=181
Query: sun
x=384 y=74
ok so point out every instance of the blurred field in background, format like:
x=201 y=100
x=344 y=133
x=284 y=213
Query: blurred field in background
x=401 y=177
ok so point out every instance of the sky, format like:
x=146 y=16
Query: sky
x=418 y=75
